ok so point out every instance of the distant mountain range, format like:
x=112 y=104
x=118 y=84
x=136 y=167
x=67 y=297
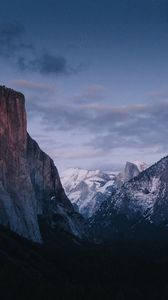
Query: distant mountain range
x=129 y=206
x=88 y=189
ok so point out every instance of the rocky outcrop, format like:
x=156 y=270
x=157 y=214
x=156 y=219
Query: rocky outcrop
x=131 y=171
x=30 y=187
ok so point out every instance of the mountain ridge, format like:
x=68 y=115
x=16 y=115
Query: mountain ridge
x=87 y=189
x=140 y=204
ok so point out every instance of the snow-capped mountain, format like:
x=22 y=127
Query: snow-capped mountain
x=141 y=199
x=87 y=189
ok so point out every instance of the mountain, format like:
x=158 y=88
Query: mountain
x=87 y=189
x=32 y=200
x=139 y=208
x=131 y=170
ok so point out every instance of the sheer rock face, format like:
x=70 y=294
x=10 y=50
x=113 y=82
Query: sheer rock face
x=131 y=171
x=30 y=186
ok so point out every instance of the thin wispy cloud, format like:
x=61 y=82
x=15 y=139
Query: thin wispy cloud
x=92 y=93
x=31 y=85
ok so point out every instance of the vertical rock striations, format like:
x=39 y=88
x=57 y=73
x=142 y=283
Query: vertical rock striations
x=30 y=187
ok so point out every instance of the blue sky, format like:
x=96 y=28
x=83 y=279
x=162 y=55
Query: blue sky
x=95 y=77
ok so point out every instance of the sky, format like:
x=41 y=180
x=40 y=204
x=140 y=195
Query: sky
x=95 y=77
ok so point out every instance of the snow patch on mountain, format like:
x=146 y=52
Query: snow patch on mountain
x=86 y=188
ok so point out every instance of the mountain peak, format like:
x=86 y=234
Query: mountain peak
x=132 y=169
x=6 y=92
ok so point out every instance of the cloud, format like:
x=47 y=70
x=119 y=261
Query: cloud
x=47 y=64
x=9 y=36
x=158 y=95
x=94 y=92
x=50 y=64
x=139 y=126
x=144 y=128
x=11 y=40
x=12 y=43
x=31 y=85
x=27 y=58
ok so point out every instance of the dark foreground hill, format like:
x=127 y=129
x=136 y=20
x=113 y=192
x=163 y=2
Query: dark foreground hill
x=33 y=271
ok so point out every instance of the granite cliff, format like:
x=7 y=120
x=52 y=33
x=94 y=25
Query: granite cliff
x=31 y=194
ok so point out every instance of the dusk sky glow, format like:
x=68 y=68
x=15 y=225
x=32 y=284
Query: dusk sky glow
x=95 y=77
